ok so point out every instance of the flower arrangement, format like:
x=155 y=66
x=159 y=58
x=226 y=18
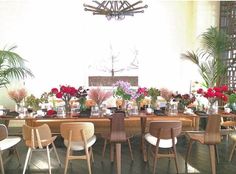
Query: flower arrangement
x=82 y=97
x=141 y=94
x=124 y=90
x=65 y=92
x=17 y=95
x=99 y=95
x=166 y=94
x=212 y=94
x=185 y=99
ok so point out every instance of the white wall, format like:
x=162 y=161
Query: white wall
x=60 y=40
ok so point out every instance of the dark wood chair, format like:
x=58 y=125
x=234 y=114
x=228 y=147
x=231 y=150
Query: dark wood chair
x=163 y=134
x=117 y=119
x=211 y=137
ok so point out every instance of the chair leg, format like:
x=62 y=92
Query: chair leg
x=88 y=160
x=130 y=150
x=175 y=156
x=55 y=151
x=212 y=158
x=232 y=152
x=91 y=153
x=112 y=152
x=217 y=154
x=1 y=161
x=104 y=148
x=155 y=159
x=49 y=161
x=188 y=152
x=67 y=159
x=27 y=159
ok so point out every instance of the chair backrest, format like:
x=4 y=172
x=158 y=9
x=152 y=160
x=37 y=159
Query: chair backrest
x=75 y=129
x=165 y=129
x=3 y=132
x=212 y=132
x=36 y=136
x=117 y=122
x=118 y=128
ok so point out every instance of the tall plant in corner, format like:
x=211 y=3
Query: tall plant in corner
x=208 y=58
x=12 y=66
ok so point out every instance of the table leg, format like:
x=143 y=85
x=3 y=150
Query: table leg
x=118 y=158
x=143 y=121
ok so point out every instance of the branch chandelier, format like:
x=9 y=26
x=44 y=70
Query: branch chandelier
x=115 y=9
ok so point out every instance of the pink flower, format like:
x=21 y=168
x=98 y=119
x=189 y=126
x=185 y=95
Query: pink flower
x=99 y=95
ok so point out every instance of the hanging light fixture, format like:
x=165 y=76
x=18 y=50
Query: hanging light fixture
x=115 y=9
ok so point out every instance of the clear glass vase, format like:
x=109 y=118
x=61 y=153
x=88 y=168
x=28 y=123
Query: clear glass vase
x=213 y=108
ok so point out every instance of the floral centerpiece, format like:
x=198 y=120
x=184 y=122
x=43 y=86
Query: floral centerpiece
x=65 y=92
x=184 y=100
x=123 y=91
x=153 y=93
x=98 y=95
x=17 y=96
x=214 y=94
x=82 y=97
x=140 y=95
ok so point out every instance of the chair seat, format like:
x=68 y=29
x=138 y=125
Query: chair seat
x=196 y=137
x=164 y=143
x=233 y=137
x=79 y=145
x=9 y=142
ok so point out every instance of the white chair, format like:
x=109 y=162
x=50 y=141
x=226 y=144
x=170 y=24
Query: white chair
x=163 y=134
x=39 y=139
x=7 y=142
x=78 y=136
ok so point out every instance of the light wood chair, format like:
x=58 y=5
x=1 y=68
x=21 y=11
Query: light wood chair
x=39 y=139
x=211 y=137
x=78 y=136
x=163 y=134
x=7 y=142
x=117 y=117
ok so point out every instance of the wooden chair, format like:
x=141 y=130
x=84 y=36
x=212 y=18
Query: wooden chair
x=117 y=118
x=162 y=134
x=39 y=139
x=211 y=137
x=78 y=136
x=7 y=142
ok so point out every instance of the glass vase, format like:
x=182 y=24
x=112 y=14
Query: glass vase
x=213 y=108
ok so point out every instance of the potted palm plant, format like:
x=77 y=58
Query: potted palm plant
x=209 y=58
x=12 y=66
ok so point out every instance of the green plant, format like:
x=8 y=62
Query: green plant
x=33 y=102
x=208 y=58
x=12 y=66
x=232 y=98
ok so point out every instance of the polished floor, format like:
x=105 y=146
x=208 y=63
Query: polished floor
x=199 y=161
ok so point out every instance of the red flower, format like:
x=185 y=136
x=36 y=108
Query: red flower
x=224 y=88
x=59 y=95
x=54 y=90
x=51 y=112
x=200 y=91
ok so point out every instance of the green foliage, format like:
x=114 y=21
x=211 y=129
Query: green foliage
x=32 y=101
x=232 y=98
x=154 y=92
x=12 y=66
x=208 y=58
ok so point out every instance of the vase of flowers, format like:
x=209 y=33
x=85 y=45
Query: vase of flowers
x=153 y=93
x=213 y=95
x=125 y=92
x=82 y=97
x=66 y=93
x=140 y=95
x=17 y=96
x=167 y=95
